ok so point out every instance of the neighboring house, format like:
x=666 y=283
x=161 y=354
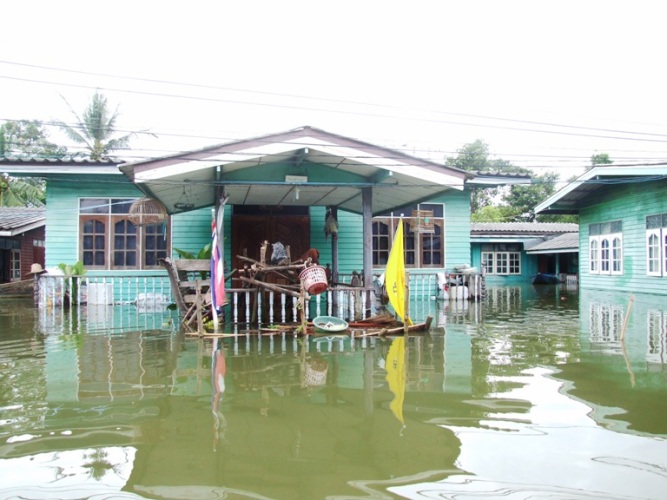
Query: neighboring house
x=512 y=252
x=622 y=226
x=278 y=187
x=21 y=241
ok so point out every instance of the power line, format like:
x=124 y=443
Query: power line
x=324 y=99
x=645 y=136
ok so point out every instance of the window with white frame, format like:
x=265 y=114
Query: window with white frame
x=656 y=245
x=109 y=240
x=423 y=249
x=594 y=258
x=605 y=244
x=501 y=258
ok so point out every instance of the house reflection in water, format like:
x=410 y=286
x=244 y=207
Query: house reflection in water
x=604 y=316
x=617 y=370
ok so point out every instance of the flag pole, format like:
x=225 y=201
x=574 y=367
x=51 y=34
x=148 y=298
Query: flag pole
x=214 y=310
x=406 y=316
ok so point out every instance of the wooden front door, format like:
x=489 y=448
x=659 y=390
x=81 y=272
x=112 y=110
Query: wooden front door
x=252 y=225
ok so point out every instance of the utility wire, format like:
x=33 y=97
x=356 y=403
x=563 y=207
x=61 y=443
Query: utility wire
x=323 y=99
x=646 y=137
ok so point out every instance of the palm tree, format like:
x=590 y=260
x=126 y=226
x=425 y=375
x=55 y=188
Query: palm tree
x=21 y=192
x=96 y=128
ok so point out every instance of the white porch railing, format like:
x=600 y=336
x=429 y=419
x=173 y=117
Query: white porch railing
x=151 y=293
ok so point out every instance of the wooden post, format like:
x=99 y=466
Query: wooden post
x=302 y=302
x=367 y=216
x=198 y=302
x=627 y=317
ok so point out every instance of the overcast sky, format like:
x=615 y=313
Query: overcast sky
x=544 y=83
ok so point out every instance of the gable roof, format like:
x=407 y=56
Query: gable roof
x=569 y=199
x=304 y=166
x=18 y=220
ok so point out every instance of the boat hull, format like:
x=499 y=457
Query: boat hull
x=544 y=279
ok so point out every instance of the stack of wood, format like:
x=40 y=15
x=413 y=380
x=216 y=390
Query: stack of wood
x=257 y=271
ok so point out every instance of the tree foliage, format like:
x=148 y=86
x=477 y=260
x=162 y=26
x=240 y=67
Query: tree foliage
x=601 y=159
x=504 y=204
x=25 y=139
x=28 y=138
x=474 y=157
x=95 y=129
x=22 y=192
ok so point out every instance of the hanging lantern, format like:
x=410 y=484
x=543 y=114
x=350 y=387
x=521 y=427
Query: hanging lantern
x=147 y=212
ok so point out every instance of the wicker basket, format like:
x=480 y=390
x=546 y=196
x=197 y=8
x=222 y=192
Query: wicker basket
x=147 y=212
x=315 y=372
x=314 y=279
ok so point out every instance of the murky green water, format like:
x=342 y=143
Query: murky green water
x=531 y=394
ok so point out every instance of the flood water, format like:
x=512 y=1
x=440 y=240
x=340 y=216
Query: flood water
x=538 y=392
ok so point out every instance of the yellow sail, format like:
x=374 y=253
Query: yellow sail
x=395 y=275
x=395 y=366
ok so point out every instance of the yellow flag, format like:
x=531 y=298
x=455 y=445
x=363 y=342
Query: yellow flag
x=395 y=275
x=395 y=366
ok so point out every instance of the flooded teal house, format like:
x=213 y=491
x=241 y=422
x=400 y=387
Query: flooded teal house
x=514 y=252
x=284 y=187
x=622 y=227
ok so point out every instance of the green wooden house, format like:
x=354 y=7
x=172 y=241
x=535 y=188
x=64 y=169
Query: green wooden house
x=279 y=187
x=513 y=252
x=622 y=226
x=276 y=188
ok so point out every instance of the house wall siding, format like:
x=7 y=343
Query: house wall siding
x=528 y=268
x=350 y=241
x=190 y=231
x=62 y=214
x=457 y=227
x=629 y=203
x=28 y=252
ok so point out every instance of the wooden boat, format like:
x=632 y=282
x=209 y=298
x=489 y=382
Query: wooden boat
x=329 y=324
x=544 y=279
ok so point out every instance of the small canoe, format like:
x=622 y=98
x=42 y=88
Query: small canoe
x=544 y=279
x=329 y=324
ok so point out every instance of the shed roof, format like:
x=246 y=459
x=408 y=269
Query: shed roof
x=35 y=166
x=18 y=220
x=304 y=166
x=569 y=199
x=566 y=242
x=522 y=228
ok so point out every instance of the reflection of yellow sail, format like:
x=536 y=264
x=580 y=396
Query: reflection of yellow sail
x=395 y=275
x=396 y=376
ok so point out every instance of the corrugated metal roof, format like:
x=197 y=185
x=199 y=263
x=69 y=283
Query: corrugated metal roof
x=44 y=167
x=15 y=220
x=66 y=160
x=560 y=243
x=522 y=228
x=326 y=169
x=574 y=195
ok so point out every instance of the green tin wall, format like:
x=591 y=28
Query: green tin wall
x=630 y=203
